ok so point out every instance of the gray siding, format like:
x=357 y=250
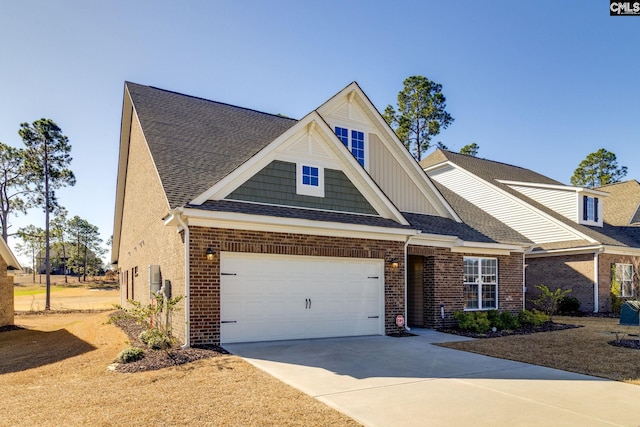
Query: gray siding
x=276 y=185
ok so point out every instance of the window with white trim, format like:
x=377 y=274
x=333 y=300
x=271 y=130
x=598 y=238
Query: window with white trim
x=309 y=180
x=624 y=279
x=354 y=141
x=480 y=283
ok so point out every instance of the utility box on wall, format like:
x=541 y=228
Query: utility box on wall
x=630 y=313
x=155 y=280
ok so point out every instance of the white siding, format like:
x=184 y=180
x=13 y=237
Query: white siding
x=394 y=180
x=517 y=215
x=563 y=202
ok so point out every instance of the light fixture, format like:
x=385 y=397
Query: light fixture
x=210 y=253
x=394 y=262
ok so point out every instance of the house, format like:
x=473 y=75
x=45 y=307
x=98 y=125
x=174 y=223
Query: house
x=7 y=262
x=274 y=228
x=579 y=241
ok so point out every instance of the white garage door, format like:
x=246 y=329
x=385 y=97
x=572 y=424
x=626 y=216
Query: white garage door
x=277 y=297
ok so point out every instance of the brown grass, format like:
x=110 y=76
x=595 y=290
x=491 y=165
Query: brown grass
x=54 y=372
x=583 y=350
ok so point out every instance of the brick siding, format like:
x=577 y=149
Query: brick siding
x=6 y=295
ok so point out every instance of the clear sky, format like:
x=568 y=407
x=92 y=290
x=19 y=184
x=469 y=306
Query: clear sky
x=538 y=84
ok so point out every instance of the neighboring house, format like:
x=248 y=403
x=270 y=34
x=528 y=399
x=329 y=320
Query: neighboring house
x=7 y=262
x=274 y=228
x=574 y=244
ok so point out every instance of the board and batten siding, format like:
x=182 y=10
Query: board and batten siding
x=525 y=220
x=563 y=202
x=394 y=180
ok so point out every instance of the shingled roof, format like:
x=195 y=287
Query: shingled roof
x=622 y=203
x=195 y=142
x=494 y=172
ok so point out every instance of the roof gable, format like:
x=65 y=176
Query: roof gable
x=623 y=203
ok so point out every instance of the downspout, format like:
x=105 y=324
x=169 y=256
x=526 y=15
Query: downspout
x=524 y=281
x=187 y=287
x=406 y=276
x=596 y=280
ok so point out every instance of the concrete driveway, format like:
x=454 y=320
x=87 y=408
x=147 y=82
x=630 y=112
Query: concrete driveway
x=385 y=381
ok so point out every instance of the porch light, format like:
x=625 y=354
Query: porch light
x=394 y=263
x=210 y=253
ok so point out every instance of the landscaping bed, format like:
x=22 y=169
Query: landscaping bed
x=161 y=358
x=548 y=326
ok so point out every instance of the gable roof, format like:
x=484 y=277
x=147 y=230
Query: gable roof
x=623 y=204
x=212 y=138
x=495 y=172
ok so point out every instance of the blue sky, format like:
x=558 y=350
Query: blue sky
x=536 y=84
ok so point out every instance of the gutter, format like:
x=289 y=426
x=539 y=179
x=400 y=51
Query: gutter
x=187 y=288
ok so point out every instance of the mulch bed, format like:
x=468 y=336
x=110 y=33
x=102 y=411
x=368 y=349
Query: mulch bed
x=8 y=328
x=158 y=359
x=634 y=344
x=523 y=330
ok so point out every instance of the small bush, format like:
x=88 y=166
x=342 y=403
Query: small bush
x=568 y=304
x=616 y=303
x=548 y=300
x=155 y=338
x=475 y=321
x=131 y=354
x=532 y=318
x=508 y=321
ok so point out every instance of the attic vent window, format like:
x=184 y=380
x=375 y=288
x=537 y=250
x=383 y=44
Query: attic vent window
x=310 y=176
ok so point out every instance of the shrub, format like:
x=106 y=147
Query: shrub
x=155 y=338
x=130 y=354
x=508 y=321
x=532 y=318
x=548 y=300
x=568 y=305
x=475 y=321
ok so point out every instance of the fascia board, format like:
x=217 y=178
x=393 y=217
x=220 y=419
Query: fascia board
x=461 y=246
x=616 y=250
x=123 y=159
x=8 y=256
x=566 y=251
x=397 y=149
x=554 y=187
x=196 y=217
x=522 y=203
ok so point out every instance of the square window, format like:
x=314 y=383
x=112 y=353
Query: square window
x=309 y=180
x=310 y=175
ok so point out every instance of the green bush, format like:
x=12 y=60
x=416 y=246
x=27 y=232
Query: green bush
x=568 y=304
x=508 y=321
x=616 y=303
x=533 y=318
x=130 y=354
x=548 y=300
x=155 y=338
x=475 y=321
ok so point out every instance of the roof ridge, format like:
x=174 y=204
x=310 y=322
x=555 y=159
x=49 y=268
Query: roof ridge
x=212 y=101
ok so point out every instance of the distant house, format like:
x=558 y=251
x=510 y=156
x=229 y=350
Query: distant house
x=274 y=228
x=586 y=240
x=7 y=262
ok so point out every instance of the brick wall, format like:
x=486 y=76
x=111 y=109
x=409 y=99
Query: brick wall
x=443 y=283
x=573 y=272
x=6 y=295
x=605 y=264
x=205 y=275
x=145 y=239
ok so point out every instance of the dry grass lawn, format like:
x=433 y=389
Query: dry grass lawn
x=54 y=372
x=583 y=350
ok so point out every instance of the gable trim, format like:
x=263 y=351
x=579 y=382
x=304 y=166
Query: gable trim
x=313 y=122
x=355 y=94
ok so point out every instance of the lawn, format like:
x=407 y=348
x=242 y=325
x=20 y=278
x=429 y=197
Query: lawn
x=583 y=350
x=34 y=290
x=54 y=372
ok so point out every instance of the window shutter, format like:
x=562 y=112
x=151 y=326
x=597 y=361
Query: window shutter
x=585 y=213
x=595 y=209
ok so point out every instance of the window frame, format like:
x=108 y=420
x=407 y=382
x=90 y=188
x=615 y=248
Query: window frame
x=480 y=281
x=619 y=277
x=361 y=154
x=309 y=189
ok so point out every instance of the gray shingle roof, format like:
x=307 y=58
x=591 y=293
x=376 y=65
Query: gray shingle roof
x=494 y=171
x=621 y=206
x=196 y=142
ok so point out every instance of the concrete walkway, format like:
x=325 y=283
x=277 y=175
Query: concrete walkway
x=385 y=381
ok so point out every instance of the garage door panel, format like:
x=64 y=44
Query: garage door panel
x=271 y=297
